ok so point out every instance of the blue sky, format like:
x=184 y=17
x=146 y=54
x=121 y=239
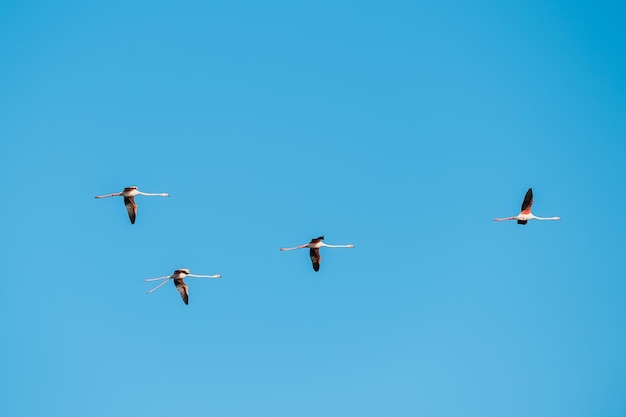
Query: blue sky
x=403 y=128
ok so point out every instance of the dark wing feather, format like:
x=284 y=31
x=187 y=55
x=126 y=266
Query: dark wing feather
x=131 y=208
x=316 y=259
x=522 y=221
x=182 y=289
x=528 y=201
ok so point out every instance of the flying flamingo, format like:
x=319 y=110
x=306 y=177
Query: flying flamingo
x=129 y=194
x=178 y=276
x=315 y=245
x=526 y=215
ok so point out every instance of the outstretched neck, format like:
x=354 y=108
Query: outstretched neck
x=338 y=246
x=204 y=276
x=154 y=194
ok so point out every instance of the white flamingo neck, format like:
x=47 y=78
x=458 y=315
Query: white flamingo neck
x=336 y=246
x=153 y=194
x=205 y=276
x=546 y=218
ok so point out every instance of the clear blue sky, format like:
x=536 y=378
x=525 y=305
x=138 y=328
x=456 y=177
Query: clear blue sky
x=402 y=127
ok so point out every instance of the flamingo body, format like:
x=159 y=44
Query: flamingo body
x=526 y=213
x=314 y=250
x=129 y=194
x=179 y=282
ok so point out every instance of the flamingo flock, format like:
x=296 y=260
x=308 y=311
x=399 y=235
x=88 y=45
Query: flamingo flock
x=314 y=246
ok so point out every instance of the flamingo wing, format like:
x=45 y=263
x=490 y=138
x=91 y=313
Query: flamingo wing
x=316 y=259
x=182 y=289
x=528 y=202
x=131 y=208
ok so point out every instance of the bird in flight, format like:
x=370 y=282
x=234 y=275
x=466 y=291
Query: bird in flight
x=129 y=194
x=314 y=245
x=179 y=276
x=526 y=215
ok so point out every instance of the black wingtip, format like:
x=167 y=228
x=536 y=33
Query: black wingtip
x=316 y=266
x=522 y=221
